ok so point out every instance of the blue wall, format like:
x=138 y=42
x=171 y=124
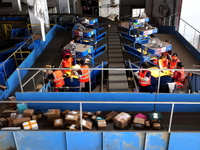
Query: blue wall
x=29 y=61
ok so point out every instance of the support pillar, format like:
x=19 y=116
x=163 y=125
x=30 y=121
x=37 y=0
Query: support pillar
x=16 y=4
x=63 y=6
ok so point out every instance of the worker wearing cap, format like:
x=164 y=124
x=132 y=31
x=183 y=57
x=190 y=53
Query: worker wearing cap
x=67 y=63
x=144 y=77
x=163 y=62
x=174 y=61
x=58 y=80
x=83 y=75
x=179 y=75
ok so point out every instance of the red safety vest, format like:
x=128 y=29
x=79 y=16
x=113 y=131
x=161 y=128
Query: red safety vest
x=164 y=64
x=180 y=80
x=67 y=63
x=143 y=75
x=58 y=78
x=173 y=63
x=85 y=75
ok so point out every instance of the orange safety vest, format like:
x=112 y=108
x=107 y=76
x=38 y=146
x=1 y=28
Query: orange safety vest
x=67 y=64
x=181 y=79
x=173 y=63
x=85 y=75
x=143 y=75
x=58 y=78
x=155 y=61
x=164 y=64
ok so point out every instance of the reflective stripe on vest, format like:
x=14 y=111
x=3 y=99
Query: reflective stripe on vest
x=85 y=75
x=173 y=64
x=163 y=64
x=58 y=78
x=143 y=75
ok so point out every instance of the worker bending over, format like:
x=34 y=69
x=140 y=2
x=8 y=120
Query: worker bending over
x=58 y=79
x=144 y=77
x=67 y=63
x=83 y=75
x=174 y=61
x=179 y=75
x=163 y=62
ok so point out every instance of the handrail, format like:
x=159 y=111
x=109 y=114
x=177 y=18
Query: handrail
x=31 y=78
x=190 y=25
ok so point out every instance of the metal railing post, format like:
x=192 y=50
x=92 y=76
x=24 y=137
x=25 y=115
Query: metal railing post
x=81 y=116
x=34 y=84
x=21 y=54
x=33 y=42
x=194 y=37
x=89 y=82
x=171 y=116
x=102 y=78
x=5 y=72
x=20 y=81
x=184 y=30
x=169 y=21
x=158 y=89
x=43 y=77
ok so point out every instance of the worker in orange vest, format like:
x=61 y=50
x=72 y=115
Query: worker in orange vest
x=179 y=75
x=174 y=61
x=83 y=75
x=163 y=62
x=67 y=63
x=58 y=79
x=144 y=77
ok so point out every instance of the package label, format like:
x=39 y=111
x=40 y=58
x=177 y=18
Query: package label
x=57 y=120
x=70 y=116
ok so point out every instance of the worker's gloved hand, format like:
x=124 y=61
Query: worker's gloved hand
x=75 y=72
x=136 y=74
x=65 y=75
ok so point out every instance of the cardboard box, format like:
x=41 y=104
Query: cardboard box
x=30 y=125
x=75 y=112
x=47 y=66
x=138 y=122
x=66 y=112
x=78 y=124
x=28 y=112
x=53 y=114
x=12 y=98
x=7 y=113
x=2 y=87
x=109 y=118
x=112 y=113
x=94 y=117
x=34 y=117
x=18 y=122
x=58 y=124
x=147 y=124
x=88 y=113
x=122 y=120
x=156 y=126
x=101 y=124
x=98 y=113
x=3 y=122
x=86 y=124
x=38 y=87
x=71 y=119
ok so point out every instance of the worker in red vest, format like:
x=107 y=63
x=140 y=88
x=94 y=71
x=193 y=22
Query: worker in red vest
x=174 y=61
x=58 y=80
x=179 y=75
x=163 y=62
x=83 y=75
x=144 y=77
x=67 y=63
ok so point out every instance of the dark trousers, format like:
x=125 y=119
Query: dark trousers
x=144 y=88
x=86 y=89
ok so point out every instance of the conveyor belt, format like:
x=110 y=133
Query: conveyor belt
x=117 y=80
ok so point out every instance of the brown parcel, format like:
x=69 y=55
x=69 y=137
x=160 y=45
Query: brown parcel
x=98 y=113
x=7 y=113
x=86 y=124
x=156 y=126
x=147 y=124
x=12 y=98
x=71 y=119
x=3 y=122
x=94 y=118
x=47 y=66
x=28 y=112
x=138 y=122
x=66 y=112
x=101 y=124
x=75 y=112
x=53 y=114
x=122 y=120
x=112 y=113
x=38 y=87
x=19 y=121
x=58 y=124
x=34 y=117
x=88 y=113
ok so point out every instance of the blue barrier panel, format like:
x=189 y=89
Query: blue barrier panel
x=166 y=29
x=123 y=141
x=18 y=32
x=7 y=140
x=84 y=140
x=156 y=141
x=34 y=140
x=28 y=62
x=178 y=98
x=184 y=141
x=192 y=49
x=67 y=96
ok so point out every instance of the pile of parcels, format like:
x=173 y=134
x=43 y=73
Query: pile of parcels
x=26 y=118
